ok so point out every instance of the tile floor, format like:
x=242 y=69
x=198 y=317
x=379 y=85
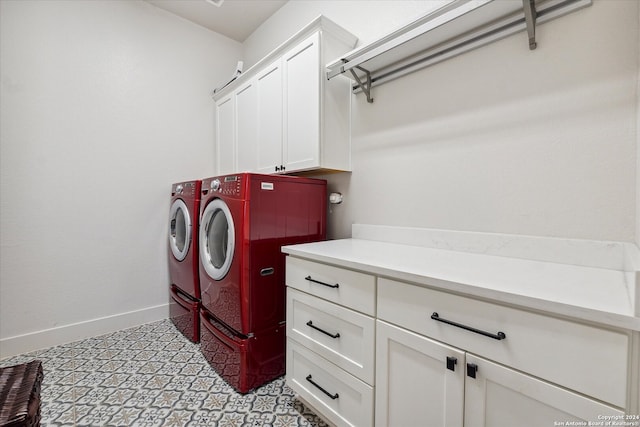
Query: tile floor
x=151 y=375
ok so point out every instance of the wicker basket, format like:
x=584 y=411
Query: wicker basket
x=20 y=394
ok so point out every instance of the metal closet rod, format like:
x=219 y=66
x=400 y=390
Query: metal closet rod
x=366 y=79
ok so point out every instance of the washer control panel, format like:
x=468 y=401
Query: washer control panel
x=229 y=185
x=184 y=189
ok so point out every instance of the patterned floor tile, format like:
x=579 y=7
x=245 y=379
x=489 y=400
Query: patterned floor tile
x=151 y=376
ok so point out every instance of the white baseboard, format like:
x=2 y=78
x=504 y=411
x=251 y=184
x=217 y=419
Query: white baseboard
x=46 y=338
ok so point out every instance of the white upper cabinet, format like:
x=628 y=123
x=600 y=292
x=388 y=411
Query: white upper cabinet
x=225 y=135
x=301 y=144
x=246 y=127
x=287 y=116
x=269 y=125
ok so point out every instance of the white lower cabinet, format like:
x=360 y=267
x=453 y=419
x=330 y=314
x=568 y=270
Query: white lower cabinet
x=342 y=336
x=513 y=367
x=337 y=395
x=420 y=381
x=331 y=340
x=443 y=359
x=499 y=396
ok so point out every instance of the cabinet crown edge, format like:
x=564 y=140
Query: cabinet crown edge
x=320 y=23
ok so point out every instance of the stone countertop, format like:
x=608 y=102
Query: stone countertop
x=599 y=295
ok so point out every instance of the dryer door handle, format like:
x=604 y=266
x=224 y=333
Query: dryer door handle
x=267 y=271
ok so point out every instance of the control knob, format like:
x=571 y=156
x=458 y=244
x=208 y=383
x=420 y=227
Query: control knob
x=215 y=185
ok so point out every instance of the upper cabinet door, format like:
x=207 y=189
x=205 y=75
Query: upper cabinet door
x=299 y=121
x=225 y=135
x=302 y=88
x=246 y=127
x=269 y=124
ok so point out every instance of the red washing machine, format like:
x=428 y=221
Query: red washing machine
x=184 y=287
x=245 y=219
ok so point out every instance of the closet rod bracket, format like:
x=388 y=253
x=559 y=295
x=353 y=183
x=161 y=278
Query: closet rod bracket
x=530 y=16
x=366 y=86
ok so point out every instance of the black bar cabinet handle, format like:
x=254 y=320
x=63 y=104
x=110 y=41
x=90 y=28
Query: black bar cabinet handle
x=333 y=396
x=311 y=325
x=321 y=283
x=498 y=336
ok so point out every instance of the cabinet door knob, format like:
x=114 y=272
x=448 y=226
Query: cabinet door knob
x=451 y=363
x=472 y=369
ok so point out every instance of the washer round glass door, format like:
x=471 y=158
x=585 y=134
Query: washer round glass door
x=179 y=229
x=217 y=239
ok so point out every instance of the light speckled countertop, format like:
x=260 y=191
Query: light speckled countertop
x=591 y=294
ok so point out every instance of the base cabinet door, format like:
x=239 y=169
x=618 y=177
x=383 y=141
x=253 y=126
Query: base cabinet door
x=499 y=396
x=419 y=382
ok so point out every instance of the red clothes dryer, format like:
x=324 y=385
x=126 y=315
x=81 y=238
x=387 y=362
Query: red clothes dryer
x=245 y=219
x=184 y=285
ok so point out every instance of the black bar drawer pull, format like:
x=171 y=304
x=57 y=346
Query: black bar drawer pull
x=311 y=325
x=321 y=283
x=498 y=336
x=333 y=396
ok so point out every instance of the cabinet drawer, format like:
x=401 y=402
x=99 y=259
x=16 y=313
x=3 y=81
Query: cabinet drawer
x=587 y=359
x=337 y=395
x=345 y=287
x=340 y=335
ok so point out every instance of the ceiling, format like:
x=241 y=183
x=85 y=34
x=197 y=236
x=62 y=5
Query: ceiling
x=236 y=19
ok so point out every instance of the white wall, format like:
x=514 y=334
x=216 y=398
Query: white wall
x=638 y=145
x=501 y=139
x=368 y=20
x=104 y=105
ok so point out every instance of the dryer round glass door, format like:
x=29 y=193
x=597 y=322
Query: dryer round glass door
x=217 y=239
x=179 y=229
